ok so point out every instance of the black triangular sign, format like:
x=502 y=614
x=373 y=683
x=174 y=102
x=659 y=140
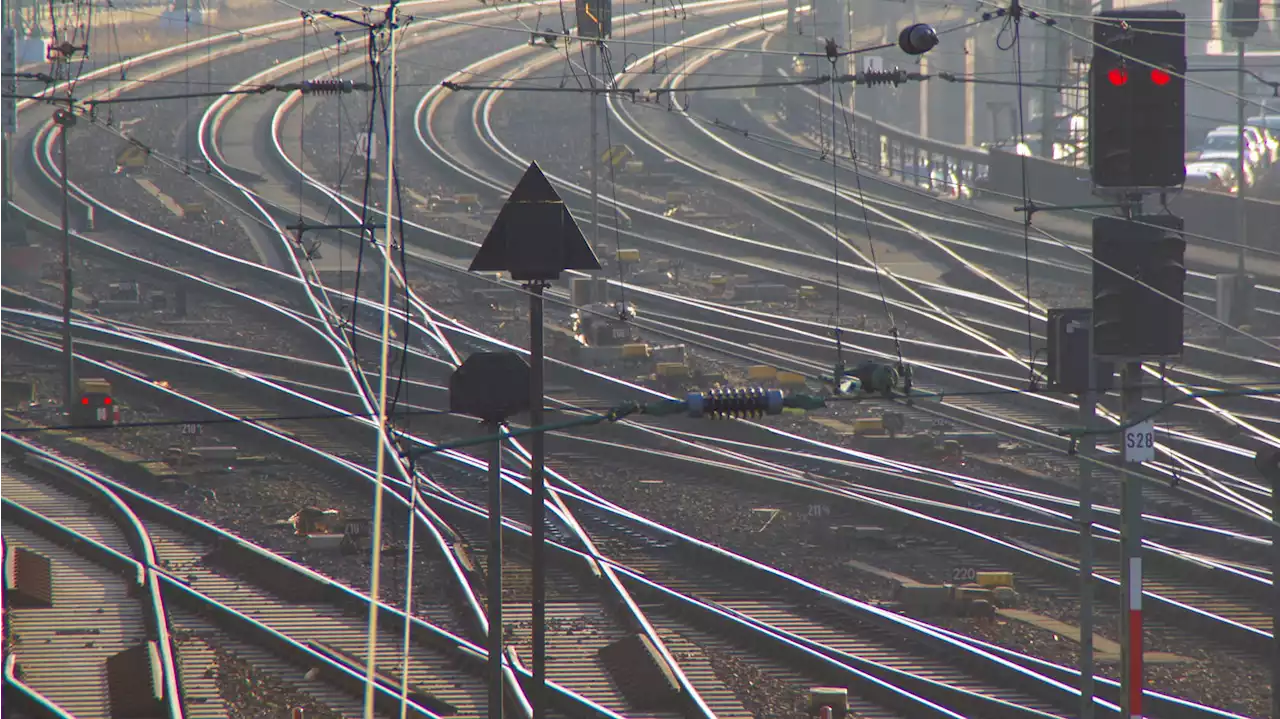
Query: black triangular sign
x=534 y=237
x=534 y=187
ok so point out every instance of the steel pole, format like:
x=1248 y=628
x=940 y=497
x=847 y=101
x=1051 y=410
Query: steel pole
x=595 y=146
x=1049 y=95
x=494 y=567
x=1242 y=236
x=5 y=165
x=65 y=120
x=538 y=488
x=1275 y=595
x=1131 y=559
x=1088 y=411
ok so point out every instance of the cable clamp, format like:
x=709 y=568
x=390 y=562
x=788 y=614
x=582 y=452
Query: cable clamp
x=832 y=50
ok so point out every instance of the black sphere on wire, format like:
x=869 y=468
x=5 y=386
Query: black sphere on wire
x=918 y=39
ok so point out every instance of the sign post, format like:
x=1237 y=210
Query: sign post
x=535 y=239
x=492 y=386
x=1138 y=447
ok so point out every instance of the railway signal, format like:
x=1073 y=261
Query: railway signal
x=1137 y=120
x=1244 y=17
x=1136 y=147
x=94 y=405
x=1138 y=281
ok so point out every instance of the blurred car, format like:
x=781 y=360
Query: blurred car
x=1226 y=139
x=1211 y=176
x=1230 y=158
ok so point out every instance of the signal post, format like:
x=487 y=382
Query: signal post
x=1137 y=125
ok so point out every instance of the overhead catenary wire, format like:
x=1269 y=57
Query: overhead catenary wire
x=382 y=443
x=1013 y=23
x=606 y=60
x=866 y=223
x=799 y=150
x=1151 y=65
x=1200 y=391
x=757 y=138
x=676 y=46
x=835 y=212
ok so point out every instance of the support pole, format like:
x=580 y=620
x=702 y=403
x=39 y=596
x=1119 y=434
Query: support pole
x=5 y=165
x=1275 y=594
x=66 y=120
x=594 y=164
x=1088 y=412
x=494 y=567
x=538 y=488
x=1050 y=96
x=1242 y=235
x=1131 y=558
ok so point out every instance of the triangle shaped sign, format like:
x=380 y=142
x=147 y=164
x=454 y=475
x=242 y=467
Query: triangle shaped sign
x=534 y=237
x=534 y=187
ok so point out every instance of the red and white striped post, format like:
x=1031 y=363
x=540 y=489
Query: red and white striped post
x=1138 y=445
x=298 y=712
x=1135 y=636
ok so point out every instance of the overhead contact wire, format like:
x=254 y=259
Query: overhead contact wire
x=382 y=441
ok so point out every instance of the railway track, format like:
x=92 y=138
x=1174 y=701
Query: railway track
x=998 y=419
x=182 y=558
x=813 y=184
x=971 y=530
x=67 y=615
x=269 y=598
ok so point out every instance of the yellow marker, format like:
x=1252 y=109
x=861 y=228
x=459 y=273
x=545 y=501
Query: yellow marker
x=994 y=579
x=761 y=372
x=790 y=379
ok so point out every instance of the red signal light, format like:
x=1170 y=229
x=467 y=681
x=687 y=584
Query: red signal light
x=1160 y=77
x=1117 y=76
x=84 y=401
x=106 y=400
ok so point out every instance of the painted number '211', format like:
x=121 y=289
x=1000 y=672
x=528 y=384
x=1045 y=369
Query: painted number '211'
x=1140 y=440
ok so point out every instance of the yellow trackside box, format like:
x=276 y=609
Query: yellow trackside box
x=635 y=351
x=672 y=369
x=761 y=371
x=720 y=280
x=790 y=379
x=867 y=425
x=466 y=199
x=808 y=292
x=994 y=579
x=628 y=255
